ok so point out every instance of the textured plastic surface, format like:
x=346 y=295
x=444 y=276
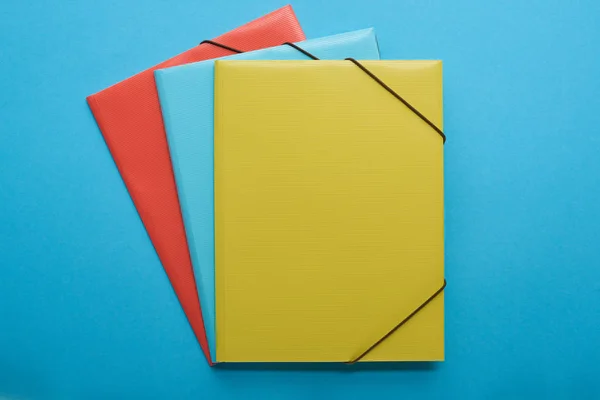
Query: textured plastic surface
x=186 y=97
x=329 y=213
x=129 y=117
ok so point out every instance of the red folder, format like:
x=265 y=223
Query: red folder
x=128 y=114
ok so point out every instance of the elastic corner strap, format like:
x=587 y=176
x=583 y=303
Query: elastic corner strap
x=232 y=49
x=301 y=50
x=397 y=96
x=221 y=46
x=382 y=84
x=399 y=325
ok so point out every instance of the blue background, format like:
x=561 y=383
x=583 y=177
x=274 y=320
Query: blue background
x=86 y=311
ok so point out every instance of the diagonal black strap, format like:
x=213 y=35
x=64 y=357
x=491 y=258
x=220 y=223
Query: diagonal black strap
x=221 y=46
x=399 y=325
x=301 y=50
x=396 y=95
x=382 y=84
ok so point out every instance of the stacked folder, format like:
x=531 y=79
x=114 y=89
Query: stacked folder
x=293 y=190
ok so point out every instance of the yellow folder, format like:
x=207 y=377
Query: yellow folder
x=329 y=220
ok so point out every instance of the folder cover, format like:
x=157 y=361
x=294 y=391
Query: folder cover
x=129 y=117
x=329 y=222
x=186 y=98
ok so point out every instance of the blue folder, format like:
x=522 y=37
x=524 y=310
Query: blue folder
x=186 y=98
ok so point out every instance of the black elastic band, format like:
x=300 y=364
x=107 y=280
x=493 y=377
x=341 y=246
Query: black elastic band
x=396 y=95
x=394 y=329
x=221 y=46
x=382 y=84
x=301 y=50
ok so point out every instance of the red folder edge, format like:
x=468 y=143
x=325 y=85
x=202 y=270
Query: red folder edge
x=128 y=115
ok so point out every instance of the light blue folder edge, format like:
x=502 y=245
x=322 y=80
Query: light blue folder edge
x=187 y=102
